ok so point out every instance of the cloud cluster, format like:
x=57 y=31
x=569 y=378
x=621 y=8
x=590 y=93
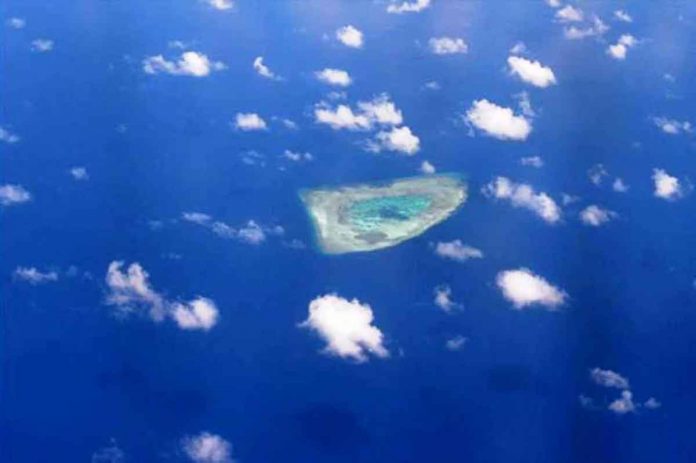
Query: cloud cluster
x=497 y=121
x=350 y=36
x=532 y=72
x=131 y=290
x=408 y=7
x=458 y=251
x=346 y=327
x=569 y=14
x=523 y=195
x=443 y=298
x=666 y=186
x=33 y=276
x=13 y=194
x=207 y=448
x=620 y=48
x=608 y=378
x=594 y=28
x=625 y=403
x=623 y=16
x=447 y=45
x=190 y=63
x=399 y=139
x=673 y=126
x=523 y=288
x=249 y=233
x=595 y=216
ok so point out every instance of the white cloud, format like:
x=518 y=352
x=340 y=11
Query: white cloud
x=190 y=63
x=199 y=314
x=456 y=343
x=42 y=45
x=109 y=454
x=518 y=48
x=673 y=126
x=379 y=111
x=432 y=85
x=7 y=136
x=350 y=36
x=443 y=298
x=16 y=23
x=554 y=3
x=595 y=216
x=569 y=14
x=619 y=49
x=623 y=404
x=131 y=290
x=597 y=173
x=399 y=139
x=247 y=122
x=297 y=156
x=207 y=448
x=34 y=276
x=79 y=173
x=447 y=45
x=337 y=77
x=408 y=7
x=196 y=217
x=621 y=15
x=532 y=161
x=427 y=168
x=263 y=70
x=497 y=121
x=13 y=194
x=346 y=327
x=619 y=186
x=458 y=251
x=652 y=403
x=221 y=4
x=596 y=28
x=532 y=72
x=608 y=378
x=250 y=233
x=523 y=195
x=666 y=186
x=523 y=288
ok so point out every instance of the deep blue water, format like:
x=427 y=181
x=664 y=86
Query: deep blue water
x=74 y=376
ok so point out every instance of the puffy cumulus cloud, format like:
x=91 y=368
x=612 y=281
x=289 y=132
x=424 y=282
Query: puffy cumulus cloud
x=443 y=298
x=336 y=77
x=594 y=29
x=497 y=121
x=346 y=327
x=595 y=216
x=456 y=250
x=221 y=4
x=207 y=448
x=408 y=7
x=381 y=110
x=190 y=63
x=263 y=70
x=673 y=126
x=427 y=168
x=33 y=276
x=623 y=404
x=16 y=23
x=131 y=290
x=13 y=194
x=456 y=343
x=570 y=14
x=79 y=173
x=621 y=15
x=378 y=111
x=523 y=288
x=8 y=137
x=532 y=161
x=248 y=122
x=399 y=139
x=199 y=314
x=249 y=233
x=666 y=186
x=619 y=185
x=523 y=195
x=608 y=378
x=447 y=45
x=532 y=72
x=42 y=45
x=620 y=48
x=350 y=36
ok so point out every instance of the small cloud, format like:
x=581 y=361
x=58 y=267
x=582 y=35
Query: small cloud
x=248 y=122
x=497 y=121
x=666 y=186
x=336 y=77
x=109 y=454
x=199 y=314
x=621 y=15
x=518 y=48
x=432 y=85
x=595 y=216
x=221 y=4
x=297 y=156
x=673 y=126
x=554 y=3
x=42 y=45
x=346 y=327
x=207 y=448
x=79 y=173
x=16 y=23
x=8 y=137
x=350 y=36
x=13 y=194
x=532 y=161
x=456 y=343
x=523 y=288
x=249 y=233
x=608 y=378
x=443 y=298
x=597 y=173
x=190 y=63
x=263 y=70
x=378 y=111
x=447 y=45
x=532 y=72
x=586 y=402
x=623 y=404
x=619 y=186
x=427 y=168
x=399 y=139
x=569 y=14
x=523 y=195
x=408 y=7
x=525 y=104
x=652 y=404
x=595 y=29
x=619 y=49
x=33 y=276
x=381 y=110
x=458 y=251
